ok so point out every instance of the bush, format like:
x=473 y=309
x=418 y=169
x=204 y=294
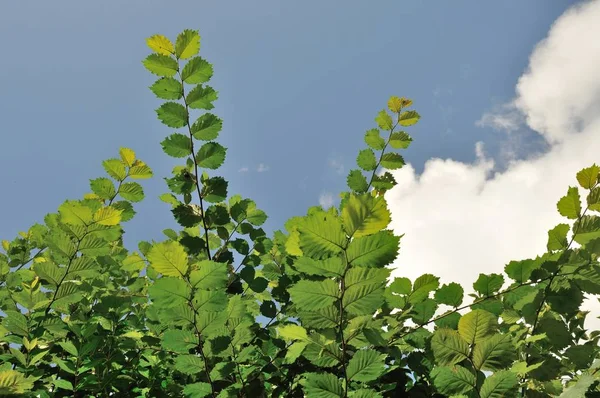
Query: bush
x=220 y=309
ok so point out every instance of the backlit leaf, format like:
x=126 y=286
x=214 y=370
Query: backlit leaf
x=207 y=127
x=557 y=237
x=364 y=215
x=394 y=104
x=570 y=205
x=107 y=216
x=499 y=385
x=495 y=353
x=375 y=250
x=365 y=365
x=384 y=121
x=209 y=275
x=400 y=140
x=448 y=347
x=357 y=182
x=487 y=285
x=322 y=385
x=477 y=325
x=131 y=191
x=312 y=295
x=177 y=145
x=588 y=177
x=167 y=88
x=453 y=380
x=366 y=160
x=172 y=114
x=450 y=294
x=115 y=168
x=408 y=118
x=168 y=258
x=103 y=187
x=161 y=65
x=201 y=97
x=211 y=155
x=392 y=161
x=586 y=229
x=321 y=235
x=374 y=140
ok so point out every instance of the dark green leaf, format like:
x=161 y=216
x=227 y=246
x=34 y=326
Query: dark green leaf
x=177 y=145
x=172 y=114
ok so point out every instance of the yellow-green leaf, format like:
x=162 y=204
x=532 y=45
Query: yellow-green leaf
x=168 y=258
x=160 y=44
x=187 y=44
x=75 y=213
x=365 y=215
x=107 y=216
x=588 y=177
x=394 y=104
x=292 y=332
x=127 y=155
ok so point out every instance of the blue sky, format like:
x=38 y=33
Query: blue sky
x=299 y=84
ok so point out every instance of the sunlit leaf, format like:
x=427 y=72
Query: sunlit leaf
x=160 y=44
x=187 y=44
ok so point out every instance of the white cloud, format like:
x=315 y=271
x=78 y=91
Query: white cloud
x=326 y=200
x=262 y=168
x=505 y=118
x=336 y=164
x=463 y=219
x=243 y=170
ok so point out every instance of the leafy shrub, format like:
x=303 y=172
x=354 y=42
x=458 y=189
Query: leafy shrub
x=220 y=309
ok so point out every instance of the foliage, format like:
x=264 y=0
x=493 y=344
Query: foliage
x=220 y=309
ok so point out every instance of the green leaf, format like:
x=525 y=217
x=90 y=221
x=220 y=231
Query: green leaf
x=496 y=353
x=189 y=364
x=13 y=382
x=400 y=140
x=332 y=266
x=211 y=155
x=131 y=191
x=187 y=44
x=177 y=145
x=374 y=140
x=168 y=258
x=401 y=286
x=375 y=250
x=499 y=385
x=209 y=275
x=588 y=177
x=477 y=325
x=366 y=160
x=448 y=347
x=450 y=294
x=197 y=390
x=293 y=332
x=579 y=389
x=487 y=285
x=408 y=118
x=312 y=295
x=103 y=187
x=64 y=384
x=69 y=347
x=201 y=97
x=74 y=213
x=322 y=385
x=364 y=290
x=422 y=286
x=453 y=380
x=557 y=237
x=366 y=365
x=161 y=65
x=321 y=235
x=207 y=127
x=593 y=199
x=172 y=114
x=107 y=216
x=167 y=88
x=364 y=215
x=384 y=121
x=520 y=271
x=196 y=71
x=392 y=161
x=115 y=168
x=570 y=205
x=169 y=292
x=214 y=189
x=586 y=229
x=357 y=181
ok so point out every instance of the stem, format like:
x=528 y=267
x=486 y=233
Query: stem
x=381 y=156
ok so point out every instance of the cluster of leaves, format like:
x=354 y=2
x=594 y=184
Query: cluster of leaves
x=219 y=309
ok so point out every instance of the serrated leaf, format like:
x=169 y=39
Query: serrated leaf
x=499 y=385
x=187 y=44
x=364 y=290
x=201 y=97
x=127 y=156
x=453 y=380
x=366 y=365
x=115 y=168
x=364 y=215
x=375 y=250
x=408 y=118
x=214 y=189
x=167 y=292
x=477 y=325
x=197 y=390
x=322 y=385
x=586 y=229
x=172 y=114
x=177 y=145
x=332 y=266
x=570 y=205
x=422 y=286
x=75 y=213
x=207 y=127
x=520 y=271
x=580 y=387
x=209 y=275
x=321 y=235
x=140 y=170
x=557 y=237
x=107 y=216
x=13 y=382
x=588 y=177
x=64 y=384
x=448 y=347
x=160 y=44
x=366 y=160
x=450 y=294
x=312 y=295
x=293 y=332
x=131 y=191
x=487 y=285
x=127 y=212
x=180 y=341
x=374 y=140
x=189 y=364
x=400 y=140
x=384 y=121
x=167 y=88
x=495 y=353
x=383 y=182
x=161 y=65
x=168 y=258
x=103 y=187
x=211 y=155
x=196 y=71
x=357 y=181
x=394 y=104
x=392 y=161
